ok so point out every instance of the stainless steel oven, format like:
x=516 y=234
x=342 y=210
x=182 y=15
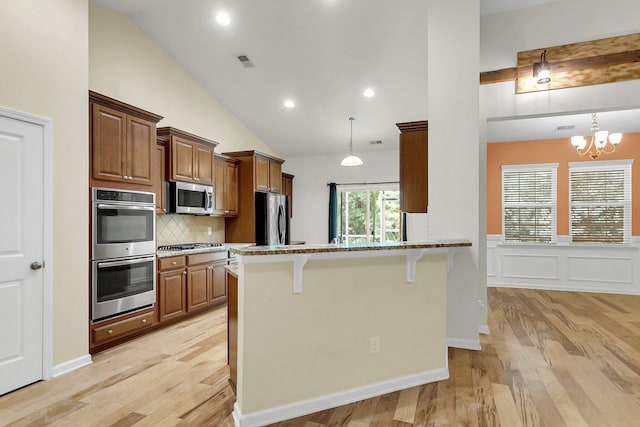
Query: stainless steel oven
x=121 y=285
x=123 y=223
x=123 y=251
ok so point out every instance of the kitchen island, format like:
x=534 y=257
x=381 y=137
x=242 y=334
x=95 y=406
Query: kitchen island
x=319 y=326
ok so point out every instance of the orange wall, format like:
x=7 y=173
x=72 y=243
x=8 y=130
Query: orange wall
x=554 y=151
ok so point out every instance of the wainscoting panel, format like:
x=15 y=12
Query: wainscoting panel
x=491 y=262
x=563 y=266
x=530 y=266
x=600 y=269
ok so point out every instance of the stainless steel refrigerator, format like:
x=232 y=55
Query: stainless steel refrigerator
x=272 y=219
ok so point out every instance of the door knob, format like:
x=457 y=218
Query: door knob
x=36 y=266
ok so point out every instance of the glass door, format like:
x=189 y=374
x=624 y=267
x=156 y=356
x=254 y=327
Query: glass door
x=369 y=215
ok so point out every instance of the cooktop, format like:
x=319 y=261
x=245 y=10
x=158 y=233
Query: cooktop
x=187 y=246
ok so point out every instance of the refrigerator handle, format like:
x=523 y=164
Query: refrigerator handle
x=281 y=225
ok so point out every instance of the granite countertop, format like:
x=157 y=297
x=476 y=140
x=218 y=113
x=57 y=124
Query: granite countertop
x=232 y=269
x=319 y=248
x=225 y=247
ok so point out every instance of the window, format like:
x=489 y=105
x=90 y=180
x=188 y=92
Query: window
x=529 y=207
x=600 y=201
x=369 y=214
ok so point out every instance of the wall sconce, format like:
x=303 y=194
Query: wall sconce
x=541 y=70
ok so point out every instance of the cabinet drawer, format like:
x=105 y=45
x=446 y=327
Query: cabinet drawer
x=206 y=257
x=108 y=332
x=171 y=263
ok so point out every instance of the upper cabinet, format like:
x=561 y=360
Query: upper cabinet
x=226 y=189
x=287 y=188
x=122 y=142
x=159 y=176
x=413 y=166
x=268 y=173
x=256 y=172
x=191 y=157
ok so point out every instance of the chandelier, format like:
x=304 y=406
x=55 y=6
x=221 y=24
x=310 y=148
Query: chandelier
x=351 y=159
x=601 y=141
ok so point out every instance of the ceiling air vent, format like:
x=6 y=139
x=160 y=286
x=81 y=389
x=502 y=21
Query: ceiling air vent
x=244 y=60
x=377 y=142
x=565 y=127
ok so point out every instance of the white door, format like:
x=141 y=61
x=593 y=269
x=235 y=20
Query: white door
x=21 y=253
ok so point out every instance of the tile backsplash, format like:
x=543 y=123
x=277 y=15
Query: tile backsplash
x=176 y=228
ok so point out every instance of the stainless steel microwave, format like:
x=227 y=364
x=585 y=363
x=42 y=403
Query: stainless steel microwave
x=192 y=199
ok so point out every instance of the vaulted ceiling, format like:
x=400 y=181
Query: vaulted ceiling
x=321 y=54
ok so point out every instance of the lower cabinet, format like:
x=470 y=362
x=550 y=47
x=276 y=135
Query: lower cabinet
x=187 y=284
x=197 y=287
x=172 y=294
x=232 y=330
x=107 y=333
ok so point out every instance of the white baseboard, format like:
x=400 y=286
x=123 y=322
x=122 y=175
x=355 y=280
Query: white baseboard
x=463 y=343
x=71 y=365
x=483 y=329
x=563 y=288
x=321 y=403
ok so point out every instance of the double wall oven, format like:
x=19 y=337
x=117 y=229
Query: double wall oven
x=123 y=253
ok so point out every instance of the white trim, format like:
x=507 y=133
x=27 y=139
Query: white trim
x=564 y=288
x=532 y=167
x=297 y=409
x=600 y=164
x=71 y=365
x=387 y=186
x=483 y=329
x=464 y=343
x=47 y=233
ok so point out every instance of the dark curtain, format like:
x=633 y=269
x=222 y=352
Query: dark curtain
x=333 y=211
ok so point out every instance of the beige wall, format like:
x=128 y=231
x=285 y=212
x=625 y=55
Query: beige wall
x=294 y=347
x=126 y=64
x=45 y=72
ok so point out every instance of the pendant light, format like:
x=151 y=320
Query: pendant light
x=351 y=159
x=541 y=70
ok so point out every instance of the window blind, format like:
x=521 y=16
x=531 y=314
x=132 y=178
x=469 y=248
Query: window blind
x=600 y=202
x=529 y=203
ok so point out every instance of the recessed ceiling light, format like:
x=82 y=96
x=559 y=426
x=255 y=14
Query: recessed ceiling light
x=223 y=18
x=369 y=93
x=289 y=103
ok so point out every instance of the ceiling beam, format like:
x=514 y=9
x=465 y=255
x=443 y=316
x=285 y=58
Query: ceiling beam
x=578 y=64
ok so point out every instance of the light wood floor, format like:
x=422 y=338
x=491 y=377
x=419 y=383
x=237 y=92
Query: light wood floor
x=552 y=359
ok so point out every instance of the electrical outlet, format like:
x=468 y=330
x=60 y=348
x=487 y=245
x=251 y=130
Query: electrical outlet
x=374 y=345
x=209 y=231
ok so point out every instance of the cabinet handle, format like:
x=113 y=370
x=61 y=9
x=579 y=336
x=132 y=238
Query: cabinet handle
x=184 y=273
x=110 y=331
x=144 y=320
x=174 y=262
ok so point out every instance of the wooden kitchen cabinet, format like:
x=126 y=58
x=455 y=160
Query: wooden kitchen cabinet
x=191 y=158
x=207 y=285
x=198 y=279
x=255 y=169
x=159 y=177
x=172 y=294
x=217 y=283
x=413 y=166
x=232 y=329
x=122 y=139
x=190 y=283
x=268 y=173
x=226 y=186
x=287 y=188
x=109 y=332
